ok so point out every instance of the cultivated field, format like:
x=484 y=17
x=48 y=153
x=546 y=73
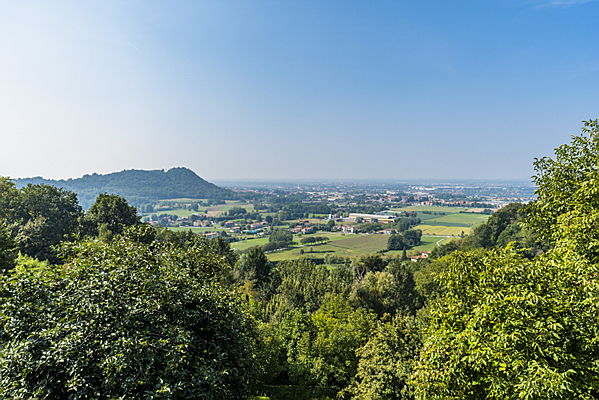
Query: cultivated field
x=351 y=246
x=197 y=229
x=446 y=221
x=443 y=230
x=179 y=212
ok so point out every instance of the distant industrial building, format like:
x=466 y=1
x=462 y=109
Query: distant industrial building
x=383 y=219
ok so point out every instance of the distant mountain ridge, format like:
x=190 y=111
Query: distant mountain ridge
x=138 y=186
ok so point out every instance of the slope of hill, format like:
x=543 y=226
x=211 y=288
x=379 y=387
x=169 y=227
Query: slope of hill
x=138 y=186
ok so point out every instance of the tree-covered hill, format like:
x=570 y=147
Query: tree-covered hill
x=138 y=186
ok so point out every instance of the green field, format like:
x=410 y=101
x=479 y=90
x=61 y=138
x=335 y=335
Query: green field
x=443 y=230
x=197 y=229
x=246 y=244
x=221 y=208
x=179 y=212
x=461 y=219
x=351 y=246
x=453 y=223
x=432 y=209
x=181 y=200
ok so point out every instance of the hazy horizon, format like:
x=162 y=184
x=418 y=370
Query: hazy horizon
x=308 y=180
x=287 y=91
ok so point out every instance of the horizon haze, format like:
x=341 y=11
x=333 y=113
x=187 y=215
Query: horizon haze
x=308 y=90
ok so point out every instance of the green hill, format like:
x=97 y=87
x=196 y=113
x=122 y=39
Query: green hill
x=139 y=186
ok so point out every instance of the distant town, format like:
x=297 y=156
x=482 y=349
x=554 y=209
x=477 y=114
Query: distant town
x=343 y=218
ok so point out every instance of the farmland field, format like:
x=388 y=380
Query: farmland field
x=460 y=219
x=453 y=221
x=246 y=244
x=451 y=210
x=197 y=229
x=217 y=210
x=179 y=212
x=350 y=246
x=443 y=230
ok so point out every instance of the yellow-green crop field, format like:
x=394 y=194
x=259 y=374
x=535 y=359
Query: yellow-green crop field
x=443 y=230
x=460 y=219
x=351 y=246
x=246 y=244
x=452 y=222
x=450 y=210
x=180 y=212
x=197 y=229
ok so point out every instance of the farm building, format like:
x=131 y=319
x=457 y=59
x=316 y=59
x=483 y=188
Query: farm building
x=384 y=219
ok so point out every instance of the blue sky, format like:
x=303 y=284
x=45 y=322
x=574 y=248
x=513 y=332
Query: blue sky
x=294 y=89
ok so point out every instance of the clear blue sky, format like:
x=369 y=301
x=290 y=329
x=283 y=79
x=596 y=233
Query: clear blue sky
x=294 y=89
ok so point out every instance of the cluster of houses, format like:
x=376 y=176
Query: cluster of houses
x=303 y=227
x=381 y=218
x=353 y=229
x=171 y=220
x=254 y=228
x=422 y=256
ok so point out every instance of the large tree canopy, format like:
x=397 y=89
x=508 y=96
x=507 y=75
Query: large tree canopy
x=112 y=212
x=132 y=318
x=507 y=327
x=49 y=216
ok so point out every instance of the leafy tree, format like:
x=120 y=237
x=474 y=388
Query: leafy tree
x=322 y=347
x=505 y=225
x=506 y=327
x=387 y=292
x=278 y=239
x=314 y=239
x=386 y=361
x=237 y=212
x=366 y=264
x=50 y=216
x=254 y=266
x=8 y=248
x=412 y=237
x=131 y=319
x=302 y=284
x=10 y=207
x=111 y=212
x=281 y=236
x=575 y=165
x=396 y=242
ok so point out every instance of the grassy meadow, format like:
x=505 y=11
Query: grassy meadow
x=447 y=221
x=350 y=246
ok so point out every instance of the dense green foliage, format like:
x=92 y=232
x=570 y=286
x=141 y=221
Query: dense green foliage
x=504 y=326
x=405 y=240
x=8 y=248
x=130 y=319
x=279 y=239
x=386 y=361
x=111 y=214
x=39 y=217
